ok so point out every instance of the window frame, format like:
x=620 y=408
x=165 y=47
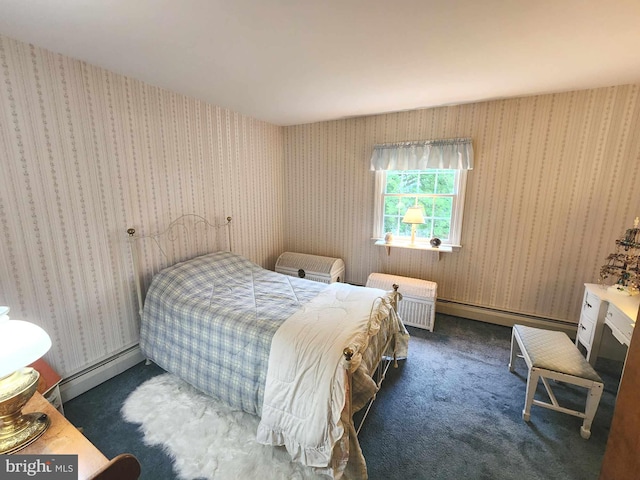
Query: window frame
x=457 y=212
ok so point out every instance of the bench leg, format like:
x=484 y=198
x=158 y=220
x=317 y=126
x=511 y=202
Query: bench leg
x=532 y=385
x=593 y=400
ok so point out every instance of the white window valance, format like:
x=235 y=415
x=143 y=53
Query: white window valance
x=452 y=153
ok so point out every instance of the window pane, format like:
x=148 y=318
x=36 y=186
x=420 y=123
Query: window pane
x=410 y=182
x=391 y=225
x=446 y=182
x=393 y=182
x=405 y=230
x=424 y=230
x=406 y=202
x=393 y=206
x=441 y=229
x=427 y=206
x=443 y=206
x=428 y=183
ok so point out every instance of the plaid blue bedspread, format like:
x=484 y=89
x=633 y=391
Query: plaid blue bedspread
x=210 y=321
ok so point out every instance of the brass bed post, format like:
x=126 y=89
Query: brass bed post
x=136 y=273
x=348 y=353
x=397 y=296
x=395 y=300
x=229 y=234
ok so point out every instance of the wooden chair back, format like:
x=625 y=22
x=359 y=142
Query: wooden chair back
x=123 y=467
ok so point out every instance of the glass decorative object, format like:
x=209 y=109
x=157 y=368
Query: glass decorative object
x=623 y=266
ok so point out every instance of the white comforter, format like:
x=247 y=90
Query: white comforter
x=306 y=385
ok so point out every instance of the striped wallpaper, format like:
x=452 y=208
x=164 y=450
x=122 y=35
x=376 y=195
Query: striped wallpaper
x=555 y=183
x=86 y=153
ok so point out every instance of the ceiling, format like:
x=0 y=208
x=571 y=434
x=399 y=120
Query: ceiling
x=299 y=61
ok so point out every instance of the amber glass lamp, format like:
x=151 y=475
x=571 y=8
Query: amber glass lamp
x=21 y=343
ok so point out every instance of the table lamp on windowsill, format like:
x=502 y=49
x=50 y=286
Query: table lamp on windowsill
x=21 y=343
x=414 y=217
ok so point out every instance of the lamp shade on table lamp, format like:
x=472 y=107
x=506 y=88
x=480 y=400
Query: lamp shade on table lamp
x=21 y=343
x=414 y=217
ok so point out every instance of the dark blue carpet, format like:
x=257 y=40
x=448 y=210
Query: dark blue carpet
x=451 y=411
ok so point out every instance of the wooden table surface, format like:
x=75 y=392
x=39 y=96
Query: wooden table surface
x=63 y=438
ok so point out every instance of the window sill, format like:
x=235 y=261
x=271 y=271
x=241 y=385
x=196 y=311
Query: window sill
x=415 y=246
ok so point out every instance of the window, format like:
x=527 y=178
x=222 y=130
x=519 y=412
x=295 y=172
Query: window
x=431 y=174
x=440 y=193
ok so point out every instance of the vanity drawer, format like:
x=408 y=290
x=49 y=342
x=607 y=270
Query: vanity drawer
x=590 y=305
x=620 y=322
x=585 y=330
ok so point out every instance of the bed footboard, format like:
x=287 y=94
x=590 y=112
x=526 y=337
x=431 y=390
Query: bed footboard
x=383 y=364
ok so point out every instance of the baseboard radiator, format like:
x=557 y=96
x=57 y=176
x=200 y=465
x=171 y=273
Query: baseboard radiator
x=503 y=317
x=93 y=376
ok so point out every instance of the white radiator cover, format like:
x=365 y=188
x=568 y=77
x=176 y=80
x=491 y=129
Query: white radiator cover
x=312 y=267
x=418 y=305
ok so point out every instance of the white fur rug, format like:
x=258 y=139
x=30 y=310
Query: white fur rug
x=206 y=438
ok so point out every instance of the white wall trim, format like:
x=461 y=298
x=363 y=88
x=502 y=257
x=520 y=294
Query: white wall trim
x=101 y=372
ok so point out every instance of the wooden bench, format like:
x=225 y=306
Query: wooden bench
x=552 y=355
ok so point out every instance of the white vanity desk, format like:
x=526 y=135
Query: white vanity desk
x=600 y=307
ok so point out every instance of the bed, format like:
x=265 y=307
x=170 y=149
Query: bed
x=302 y=355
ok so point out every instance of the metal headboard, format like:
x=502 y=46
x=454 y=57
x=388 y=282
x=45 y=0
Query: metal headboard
x=186 y=237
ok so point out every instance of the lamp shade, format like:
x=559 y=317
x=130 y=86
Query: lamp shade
x=21 y=343
x=413 y=215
